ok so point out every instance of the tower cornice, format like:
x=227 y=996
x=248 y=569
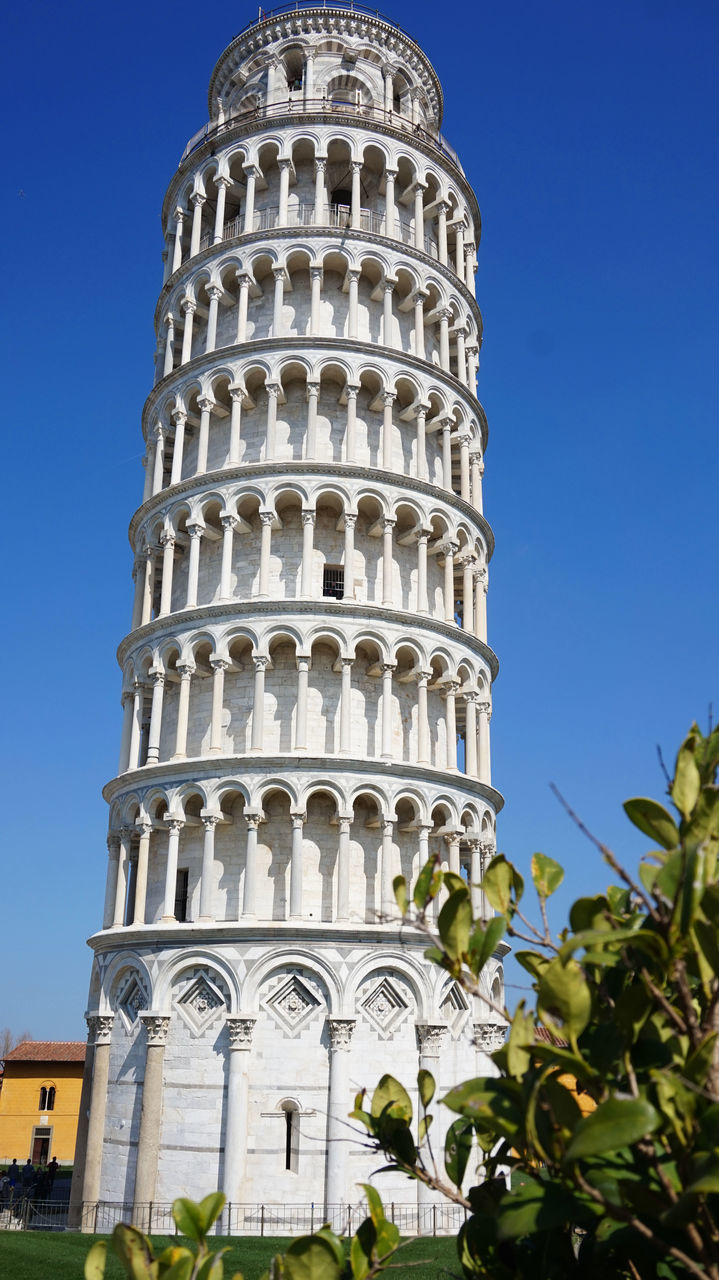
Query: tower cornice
x=171 y=623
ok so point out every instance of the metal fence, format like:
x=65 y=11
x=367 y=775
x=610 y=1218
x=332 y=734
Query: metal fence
x=336 y=215
x=156 y=1218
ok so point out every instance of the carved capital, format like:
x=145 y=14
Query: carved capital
x=197 y=199
x=350 y=519
x=261 y=662
x=308 y=516
x=267 y=517
x=100 y=1026
x=430 y=1036
x=157 y=1026
x=188 y=306
x=240 y=1032
x=340 y=1030
x=219 y=664
x=489 y=1036
x=173 y=823
x=214 y=292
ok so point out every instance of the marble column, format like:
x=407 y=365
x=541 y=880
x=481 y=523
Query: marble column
x=471 y=698
x=388 y=398
x=167 y=540
x=219 y=667
x=346 y=708
x=387 y=669
x=214 y=293
x=422 y=600
x=303 y=670
x=179 y=418
x=449 y=548
x=451 y=687
x=207 y=874
x=266 y=522
x=158 y=689
x=236 y=1114
x=169 y=345
x=203 y=440
x=430 y=1038
x=343 y=867
x=339 y=1101
x=123 y=867
x=313 y=394
x=195 y=533
x=298 y=820
x=348 y=592
x=222 y=185
x=148 y=1143
x=186 y=671
x=423 y=740
x=243 y=296
x=351 y=391
x=177 y=248
x=174 y=827
x=229 y=524
x=387 y=867
x=188 y=308
x=480 y=603
x=196 y=200
x=258 y=704
x=113 y=867
x=315 y=299
x=387 y=563
x=390 y=216
x=320 y=201
x=355 y=211
x=484 y=768
x=237 y=395
x=144 y=829
x=100 y=1027
x=249 y=894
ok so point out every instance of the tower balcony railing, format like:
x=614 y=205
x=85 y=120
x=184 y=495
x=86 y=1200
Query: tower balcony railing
x=335 y=215
x=296 y=104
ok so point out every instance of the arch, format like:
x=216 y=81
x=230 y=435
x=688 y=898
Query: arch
x=299 y=957
x=415 y=977
x=197 y=957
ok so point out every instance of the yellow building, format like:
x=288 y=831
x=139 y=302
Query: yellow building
x=40 y=1101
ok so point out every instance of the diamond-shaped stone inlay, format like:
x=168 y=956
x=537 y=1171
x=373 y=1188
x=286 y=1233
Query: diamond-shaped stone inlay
x=385 y=1007
x=292 y=1004
x=200 y=1004
x=454 y=1009
x=132 y=1001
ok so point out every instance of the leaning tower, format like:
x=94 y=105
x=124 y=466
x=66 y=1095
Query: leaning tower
x=306 y=676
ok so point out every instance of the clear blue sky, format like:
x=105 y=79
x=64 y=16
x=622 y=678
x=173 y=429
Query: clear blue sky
x=589 y=132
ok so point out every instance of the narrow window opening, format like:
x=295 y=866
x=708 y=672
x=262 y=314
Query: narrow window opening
x=181 y=889
x=292 y=1136
x=51 y=1098
x=288 y=1139
x=333 y=581
x=42 y=1106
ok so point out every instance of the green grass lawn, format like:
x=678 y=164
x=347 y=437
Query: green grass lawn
x=58 y=1255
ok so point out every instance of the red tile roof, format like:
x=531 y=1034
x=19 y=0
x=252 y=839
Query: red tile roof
x=48 y=1051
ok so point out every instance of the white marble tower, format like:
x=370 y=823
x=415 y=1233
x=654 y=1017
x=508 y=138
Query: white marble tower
x=308 y=643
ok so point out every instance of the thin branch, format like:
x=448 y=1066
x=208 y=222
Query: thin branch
x=661 y=1247
x=661 y=999
x=607 y=855
x=664 y=769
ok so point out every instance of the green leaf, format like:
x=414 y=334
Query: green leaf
x=189 y=1218
x=520 y=1042
x=687 y=781
x=589 y=913
x=212 y=1268
x=532 y=961
x=426 y=1086
x=536 y=1206
x=563 y=998
x=211 y=1208
x=311 y=1258
x=653 y=819
x=546 y=874
x=483 y=943
x=374 y=1202
x=454 y=883
x=399 y=884
x=134 y=1251
x=95 y=1261
x=391 y=1097
x=326 y=1233
x=697 y=1065
x=501 y=880
x=616 y=1123
x=422 y=888
x=454 y=923
x=457 y=1150
x=708 y=943
x=176 y=1263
